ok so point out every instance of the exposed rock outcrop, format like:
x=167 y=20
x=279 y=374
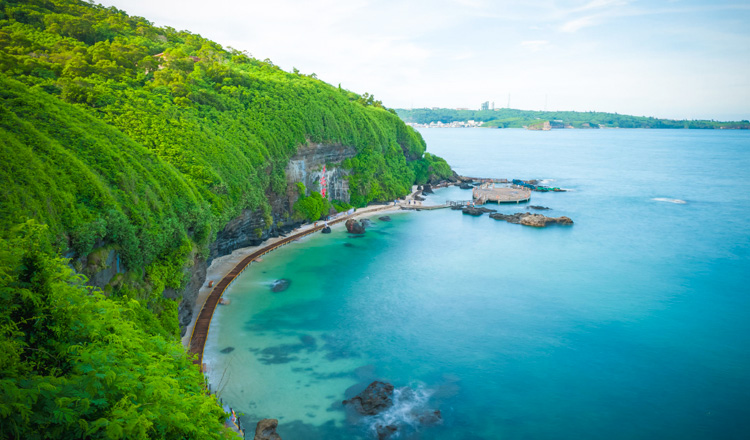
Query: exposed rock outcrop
x=539 y=208
x=378 y=396
x=393 y=412
x=354 y=227
x=540 y=221
x=266 y=430
x=427 y=189
x=476 y=211
x=465 y=185
x=280 y=285
x=252 y=227
x=306 y=166
x=326 y=230
x=189 y=294
x=529 y=219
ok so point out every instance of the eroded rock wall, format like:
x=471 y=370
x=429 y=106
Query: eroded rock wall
x=307 y=167
x=250 y=228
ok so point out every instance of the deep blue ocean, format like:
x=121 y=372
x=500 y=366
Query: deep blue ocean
x=632 y=323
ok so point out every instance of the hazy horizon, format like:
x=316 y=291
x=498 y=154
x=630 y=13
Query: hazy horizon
x=668 y=59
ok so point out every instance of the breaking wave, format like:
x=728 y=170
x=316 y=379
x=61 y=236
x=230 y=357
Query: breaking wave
x=664 y=199
x=410 y=411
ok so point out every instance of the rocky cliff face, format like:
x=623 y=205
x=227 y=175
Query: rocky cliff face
x=250 y=228
x=307 y=167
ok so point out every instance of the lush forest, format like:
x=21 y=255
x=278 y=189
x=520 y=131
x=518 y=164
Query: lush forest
x=120 y=135
x=512 y=118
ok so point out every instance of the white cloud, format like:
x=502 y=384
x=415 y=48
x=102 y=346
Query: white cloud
x=579 y=23
x=458 y=53
x=534 y=45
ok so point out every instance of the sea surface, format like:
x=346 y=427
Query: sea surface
x=632 y=323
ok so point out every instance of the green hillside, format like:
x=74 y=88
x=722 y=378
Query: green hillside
x=119 y=135
x=513 y=118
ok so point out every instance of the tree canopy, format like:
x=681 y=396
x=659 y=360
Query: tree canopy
x=513 y=118
x=122 y=137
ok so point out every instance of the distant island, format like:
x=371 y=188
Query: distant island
x=547 y=120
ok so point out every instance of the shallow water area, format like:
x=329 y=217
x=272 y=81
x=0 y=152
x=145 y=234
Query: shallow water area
x=632 y=323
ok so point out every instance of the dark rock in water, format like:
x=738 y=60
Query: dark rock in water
x=385 y=432
x=280 y=285
x=540 y=221
x=354 y=227
x=384 y=218
x=307 y=340
x=510 y=218
x=427 y=189
x=266 y=430
x=227 y=350
x=529 y=219
x=419 y=199
x=326 y=230
x=348 y=245
x=539 y=208
x=429 y=417
x=378 y=396
x=465 y=185
x=476 y=211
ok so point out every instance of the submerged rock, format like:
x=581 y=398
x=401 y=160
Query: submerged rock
x=384 y=218
x=227 y=350
x=429 y=417
x=266 y=430
x=539 y=208
x=385 y=432
x=378 y=396
x=354 y=227
x=529 y=219
x=366 y=223
x=280 y=285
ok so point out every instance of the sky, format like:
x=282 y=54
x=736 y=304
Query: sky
x=677 y=59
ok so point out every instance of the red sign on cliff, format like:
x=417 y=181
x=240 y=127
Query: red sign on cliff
x=323 y=182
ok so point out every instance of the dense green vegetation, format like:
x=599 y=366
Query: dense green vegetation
x=121 y=136
x=511 y=118
x=76 y=365
x=312 y=207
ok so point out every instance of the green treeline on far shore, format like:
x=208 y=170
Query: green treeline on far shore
x=121 y=136
x=512 y=118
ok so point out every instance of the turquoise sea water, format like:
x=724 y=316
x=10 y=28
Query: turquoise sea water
x=632 y=323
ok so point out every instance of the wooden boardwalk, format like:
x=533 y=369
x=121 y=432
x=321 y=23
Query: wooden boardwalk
x=203 y=322
x=489 y=193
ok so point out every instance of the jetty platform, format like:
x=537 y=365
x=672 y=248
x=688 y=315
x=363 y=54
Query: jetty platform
x=488 y=192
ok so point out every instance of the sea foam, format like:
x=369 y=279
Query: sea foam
x=664 y=199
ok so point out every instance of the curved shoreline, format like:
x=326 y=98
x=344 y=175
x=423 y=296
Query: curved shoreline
x=201 y=322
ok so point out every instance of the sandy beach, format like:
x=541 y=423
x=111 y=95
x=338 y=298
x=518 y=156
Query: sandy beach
x=221 y=266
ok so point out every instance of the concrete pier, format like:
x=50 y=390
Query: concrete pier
x=488 y=192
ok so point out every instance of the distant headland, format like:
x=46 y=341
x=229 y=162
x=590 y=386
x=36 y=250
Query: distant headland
x=549 y=120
